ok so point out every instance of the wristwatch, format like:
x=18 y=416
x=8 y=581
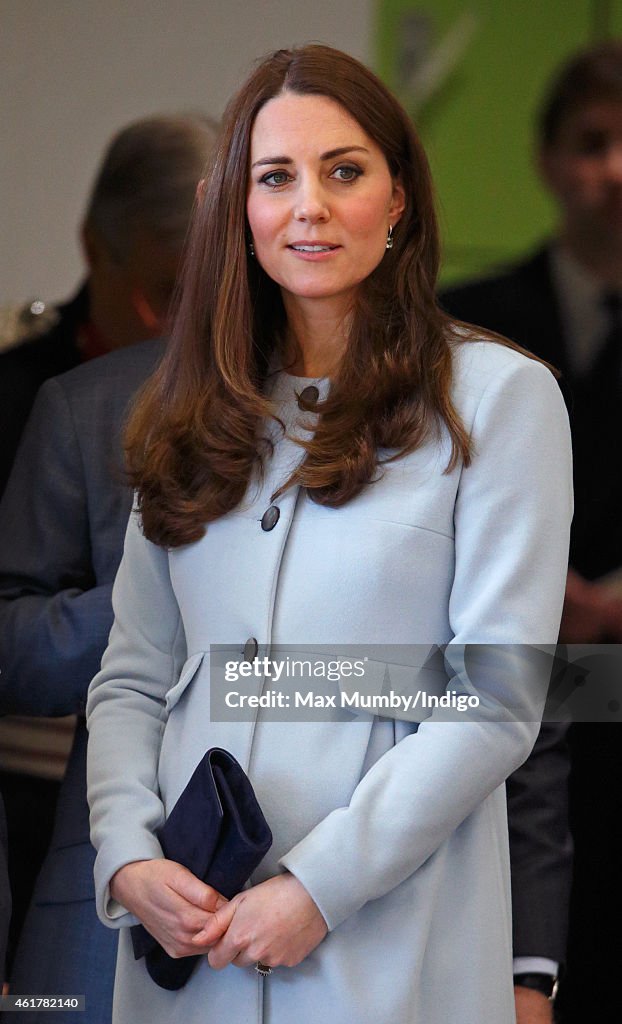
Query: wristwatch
x=544 y=983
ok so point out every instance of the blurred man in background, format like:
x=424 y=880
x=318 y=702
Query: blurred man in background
x=62 y=521
x=132 y=233
x=565 y=304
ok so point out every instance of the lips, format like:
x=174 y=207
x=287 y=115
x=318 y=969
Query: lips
x=312 y=247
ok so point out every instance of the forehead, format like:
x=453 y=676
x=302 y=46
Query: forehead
x=599 y=116
x=291 y=123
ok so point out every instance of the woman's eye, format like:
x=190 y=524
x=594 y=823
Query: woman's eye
x=275 y=178
x=347 y=173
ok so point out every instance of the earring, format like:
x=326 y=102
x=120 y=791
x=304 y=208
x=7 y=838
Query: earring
x=390 y=237
x=251 y=249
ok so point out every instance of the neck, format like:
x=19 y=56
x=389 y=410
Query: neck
x=600 y=258
x=112 y=314
x=316 y=336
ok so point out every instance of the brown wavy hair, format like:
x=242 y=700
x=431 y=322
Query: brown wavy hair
x=194 y=437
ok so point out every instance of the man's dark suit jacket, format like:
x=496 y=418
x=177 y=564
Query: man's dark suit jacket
x=24 y=367
x=62 y=524
x=521 y=304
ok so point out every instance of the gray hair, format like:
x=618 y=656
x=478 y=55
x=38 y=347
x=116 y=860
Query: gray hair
x=148 y=180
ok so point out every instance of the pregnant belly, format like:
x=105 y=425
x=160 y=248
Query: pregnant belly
x=302 y=771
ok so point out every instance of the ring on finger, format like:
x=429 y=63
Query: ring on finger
x=263 y=969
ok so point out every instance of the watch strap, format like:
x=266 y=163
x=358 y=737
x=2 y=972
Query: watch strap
x=544 y=983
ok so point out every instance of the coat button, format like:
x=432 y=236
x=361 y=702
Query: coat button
x=310 y=395
x=250 y=649
x=270 y=518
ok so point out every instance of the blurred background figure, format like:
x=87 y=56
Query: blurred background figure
x=62 y=520
x=565 y=304
x=132 y=233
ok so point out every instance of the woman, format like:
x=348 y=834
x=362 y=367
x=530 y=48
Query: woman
x=323 y=458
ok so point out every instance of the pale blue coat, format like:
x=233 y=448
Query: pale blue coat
x=399 y=835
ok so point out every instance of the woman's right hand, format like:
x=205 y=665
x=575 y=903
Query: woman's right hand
x=171 y=902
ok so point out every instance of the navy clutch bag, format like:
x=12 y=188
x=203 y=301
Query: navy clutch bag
x=217 y=830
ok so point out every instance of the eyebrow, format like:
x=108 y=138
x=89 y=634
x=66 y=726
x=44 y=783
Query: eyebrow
x=329 y=155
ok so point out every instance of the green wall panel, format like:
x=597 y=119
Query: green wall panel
x=477 y=122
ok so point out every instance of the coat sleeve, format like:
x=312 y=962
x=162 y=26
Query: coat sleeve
x=512 y=519
x=126 y=715
x=54 y=619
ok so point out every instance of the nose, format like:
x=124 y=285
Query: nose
x=311 y=201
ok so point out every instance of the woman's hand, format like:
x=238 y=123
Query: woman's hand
x=170 y=901
x=276 y=922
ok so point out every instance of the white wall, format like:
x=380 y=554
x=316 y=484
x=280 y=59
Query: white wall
x=73 y=71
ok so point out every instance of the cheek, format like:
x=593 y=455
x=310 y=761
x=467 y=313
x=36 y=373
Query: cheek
x=264 y=219
x=583 y=179
x=368 y=216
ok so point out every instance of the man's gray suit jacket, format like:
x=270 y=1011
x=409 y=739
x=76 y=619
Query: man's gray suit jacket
x=62 y=524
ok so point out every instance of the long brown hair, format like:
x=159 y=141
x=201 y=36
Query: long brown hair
x=192 y=442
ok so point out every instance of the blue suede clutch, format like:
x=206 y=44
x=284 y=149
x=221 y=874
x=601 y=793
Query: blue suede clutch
x=217 y=830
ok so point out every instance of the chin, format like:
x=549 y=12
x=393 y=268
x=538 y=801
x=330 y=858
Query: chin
x=318 y=289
